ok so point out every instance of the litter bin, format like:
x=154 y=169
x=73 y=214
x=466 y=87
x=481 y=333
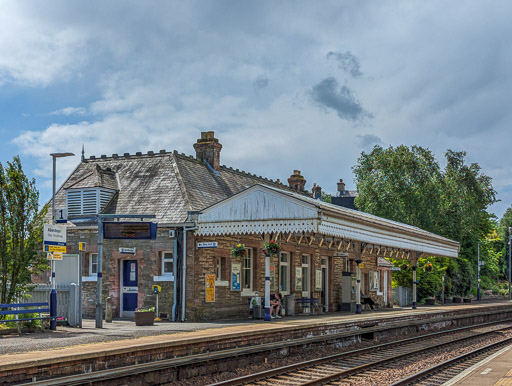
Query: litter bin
x=289 y=304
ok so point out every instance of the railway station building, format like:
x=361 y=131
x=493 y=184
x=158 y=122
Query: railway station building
x=203 y=209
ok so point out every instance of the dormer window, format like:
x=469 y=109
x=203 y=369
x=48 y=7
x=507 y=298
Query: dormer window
x=87 y=200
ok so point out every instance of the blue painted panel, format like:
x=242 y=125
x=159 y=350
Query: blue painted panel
x=130 y=285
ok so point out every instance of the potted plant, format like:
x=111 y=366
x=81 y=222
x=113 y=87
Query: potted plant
x=238 y=250
x=144 y=316
x=457 y=299
x=272 y=248
x=428 y=267
x=430 y=301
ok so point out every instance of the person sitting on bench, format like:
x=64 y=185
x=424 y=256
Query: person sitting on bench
x=367 y=300
x=275 y=304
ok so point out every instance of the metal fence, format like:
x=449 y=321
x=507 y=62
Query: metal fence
x=402 y=296
x=41 y=293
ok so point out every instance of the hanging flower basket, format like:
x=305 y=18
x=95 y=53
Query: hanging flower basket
x=404 y=267
x=272 y=248
x=428 y=267
x=238 y=250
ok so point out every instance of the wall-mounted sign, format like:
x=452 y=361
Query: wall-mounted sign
x=210 y=288
x=129 y=230
x=128 y=251
x=236 y=268
x=82 y=246
x=210 y=244
x=298 y=278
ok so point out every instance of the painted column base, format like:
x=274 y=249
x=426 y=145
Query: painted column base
x=358 y=308
x=413 y=305
x=267 y=315
x=53 y=309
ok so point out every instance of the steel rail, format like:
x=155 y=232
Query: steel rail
x=347 y=372
x=148 y=367
x=451 y=362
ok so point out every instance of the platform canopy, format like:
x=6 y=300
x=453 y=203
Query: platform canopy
x=263 y=209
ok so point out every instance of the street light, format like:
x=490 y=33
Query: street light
x=53 y=293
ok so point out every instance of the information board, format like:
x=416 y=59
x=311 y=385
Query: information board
x=129 y=230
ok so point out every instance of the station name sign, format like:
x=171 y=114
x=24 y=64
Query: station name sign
x=129 y=230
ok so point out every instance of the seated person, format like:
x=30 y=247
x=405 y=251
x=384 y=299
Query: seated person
x=275 y=304
x=367 y=300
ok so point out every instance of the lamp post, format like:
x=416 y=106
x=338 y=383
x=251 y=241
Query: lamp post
x=53 y=293
x=478 y=274
x=509 y=259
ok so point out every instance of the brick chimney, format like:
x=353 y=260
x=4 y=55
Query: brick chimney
x=208 y=149
x=316 y=192
x=296 y=181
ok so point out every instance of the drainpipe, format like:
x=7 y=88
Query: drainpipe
x=175 y=270
x=184 y=271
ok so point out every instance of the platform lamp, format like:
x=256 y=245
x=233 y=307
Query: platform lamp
x=358 y=285
x=53 y=293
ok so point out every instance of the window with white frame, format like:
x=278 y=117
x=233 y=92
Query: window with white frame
x=247 y=271
x=167 y=263
x=93 y=264
x=284 y=273
x=218 y=268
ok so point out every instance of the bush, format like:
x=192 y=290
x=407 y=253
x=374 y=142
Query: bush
x=27 y=323
x=503 y=292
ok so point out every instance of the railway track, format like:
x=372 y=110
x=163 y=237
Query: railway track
x=363 y=365
x=355 y=361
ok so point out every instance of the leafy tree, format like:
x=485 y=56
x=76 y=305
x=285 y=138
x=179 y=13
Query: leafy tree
x=408 y=185
x=503 y=235
x=21 y=231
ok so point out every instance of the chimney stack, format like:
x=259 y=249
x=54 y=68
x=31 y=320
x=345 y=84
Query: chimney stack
x=208 y=149
x=316 y=192
x=296 y=181
x=341 y=188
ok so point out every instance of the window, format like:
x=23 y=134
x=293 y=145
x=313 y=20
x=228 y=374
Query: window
x=167 y=263
x=218 y=268
x=284 y=273
x=374 y=280
x=93 y=264
x=247 y=271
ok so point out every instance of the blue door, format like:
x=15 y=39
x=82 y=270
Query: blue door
x=130 y=285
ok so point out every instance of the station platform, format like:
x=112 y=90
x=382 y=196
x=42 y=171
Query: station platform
x=121 y=340
x=494 y=370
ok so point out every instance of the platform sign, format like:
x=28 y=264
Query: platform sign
x=129 y=230
x=54 y=235
x=54 y=255
x=61 y=215
x=54 y=248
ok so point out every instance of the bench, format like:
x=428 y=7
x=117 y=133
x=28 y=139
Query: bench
x=311 y=303
x=25 y=309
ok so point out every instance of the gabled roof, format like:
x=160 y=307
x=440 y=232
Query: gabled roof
x=262 y=209
x=166 y=184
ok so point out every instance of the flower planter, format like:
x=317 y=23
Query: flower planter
x=467 y=300
x=430 y=302
x=144 y=318
x=457 y=299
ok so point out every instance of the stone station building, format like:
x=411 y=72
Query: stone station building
x=202 y=210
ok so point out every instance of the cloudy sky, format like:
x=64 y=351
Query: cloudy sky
x=285 y=85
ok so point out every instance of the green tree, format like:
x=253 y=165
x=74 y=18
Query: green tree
x=408 y=185
x=503 y=235
x=21 y=230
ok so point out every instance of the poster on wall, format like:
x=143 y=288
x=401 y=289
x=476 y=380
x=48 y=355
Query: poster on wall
x=298 y=278
x=236 y=268
x=374 y=280
x=318 y=279
x=272 y=277
x=210 y=288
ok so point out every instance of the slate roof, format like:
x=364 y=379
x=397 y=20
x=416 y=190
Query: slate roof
x=166 y=184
